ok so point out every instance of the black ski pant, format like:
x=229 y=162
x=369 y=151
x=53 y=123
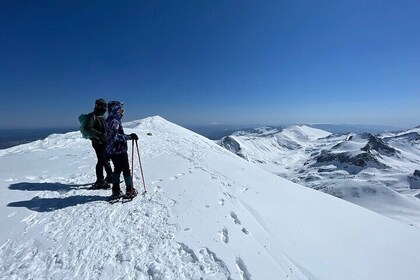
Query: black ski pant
x=103 y=162
x=121 y=164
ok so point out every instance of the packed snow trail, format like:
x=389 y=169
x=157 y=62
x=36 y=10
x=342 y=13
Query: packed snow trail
x=207 y=215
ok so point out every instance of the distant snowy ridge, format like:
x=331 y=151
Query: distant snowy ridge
x=374 y=171
x=263 y=147
x=208 y=214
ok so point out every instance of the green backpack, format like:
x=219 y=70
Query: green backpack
x=85 y=133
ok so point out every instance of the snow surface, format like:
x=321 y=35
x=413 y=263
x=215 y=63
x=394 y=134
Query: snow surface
x=208 y=214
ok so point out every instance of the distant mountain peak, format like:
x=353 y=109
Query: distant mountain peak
x=377 y=144
x=152 y=119
x=260 y=131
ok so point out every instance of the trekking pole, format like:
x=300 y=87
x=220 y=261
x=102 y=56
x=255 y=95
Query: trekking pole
x=132 y=164
x=141 y=168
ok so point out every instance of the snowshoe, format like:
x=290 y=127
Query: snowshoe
x=129 y=196
x=116 y=197
x=131 y=193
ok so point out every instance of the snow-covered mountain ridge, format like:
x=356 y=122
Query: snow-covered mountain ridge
x=207 y=215
x=374 y=171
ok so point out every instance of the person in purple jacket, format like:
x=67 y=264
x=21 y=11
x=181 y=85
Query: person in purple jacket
x=116 y=147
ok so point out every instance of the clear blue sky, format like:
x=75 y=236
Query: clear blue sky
x=199 y=62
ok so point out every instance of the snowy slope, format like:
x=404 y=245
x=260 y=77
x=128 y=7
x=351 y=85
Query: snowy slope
x=277 y=152
x=207 y=215
x=375 y=172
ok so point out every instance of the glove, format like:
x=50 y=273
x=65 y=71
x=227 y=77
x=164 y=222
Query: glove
x=134 y=136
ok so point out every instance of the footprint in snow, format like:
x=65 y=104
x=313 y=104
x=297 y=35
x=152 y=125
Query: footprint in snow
x=222 y=201
x=172 y=202
x=235 y=218
x=244 y=230
x=228 y=195
x=244 y=190
x=177 y=176
x=243 y=270
x=157 y=181
x=226 y=184
x=224 y=235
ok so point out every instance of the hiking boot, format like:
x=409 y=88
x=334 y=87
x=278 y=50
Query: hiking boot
x=100 y=185
x=116 y=190
x=131 y=192
x=117 y=193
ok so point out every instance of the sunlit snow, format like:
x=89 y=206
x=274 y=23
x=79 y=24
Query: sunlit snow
x=208 y=214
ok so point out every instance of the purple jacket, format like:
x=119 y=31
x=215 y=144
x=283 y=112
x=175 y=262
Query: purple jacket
x=116 y=139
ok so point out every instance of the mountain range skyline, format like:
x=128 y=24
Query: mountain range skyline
x=16 y=136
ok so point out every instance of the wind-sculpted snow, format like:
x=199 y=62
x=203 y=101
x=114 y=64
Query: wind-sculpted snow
x=409 y=137
x=208 y=214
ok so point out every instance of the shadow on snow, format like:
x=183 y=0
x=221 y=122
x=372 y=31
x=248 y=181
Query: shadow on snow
x=51 y=204
x=58 y=187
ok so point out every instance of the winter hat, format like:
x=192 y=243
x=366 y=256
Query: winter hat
x=100 y=103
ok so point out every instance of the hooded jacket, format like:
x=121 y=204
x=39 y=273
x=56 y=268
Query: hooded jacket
x=116 y=139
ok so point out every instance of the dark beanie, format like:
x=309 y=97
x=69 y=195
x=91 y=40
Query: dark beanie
x=100 y=102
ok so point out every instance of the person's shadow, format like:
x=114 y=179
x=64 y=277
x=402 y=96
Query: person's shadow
x=52 y=204
x=58 y=187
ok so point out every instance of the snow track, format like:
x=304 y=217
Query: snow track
x=95 y=240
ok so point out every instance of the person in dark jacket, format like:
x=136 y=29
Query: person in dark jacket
x=95 y=125
x=116 y=147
